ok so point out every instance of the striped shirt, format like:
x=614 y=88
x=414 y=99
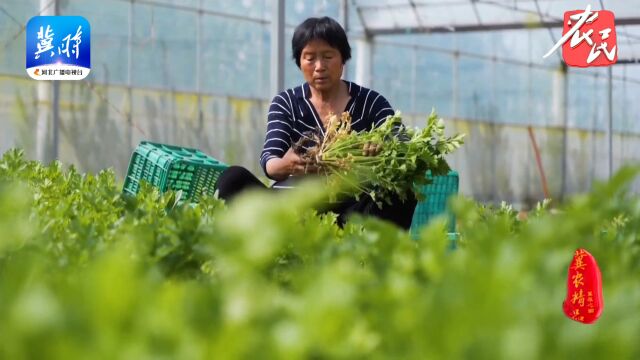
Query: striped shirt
x=291 y=116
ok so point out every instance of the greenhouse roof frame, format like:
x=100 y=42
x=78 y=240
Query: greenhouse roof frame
x=398 y=17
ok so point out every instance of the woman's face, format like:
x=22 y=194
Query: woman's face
x=321 y=65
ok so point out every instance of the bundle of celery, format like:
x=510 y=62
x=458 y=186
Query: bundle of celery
x=400 y=166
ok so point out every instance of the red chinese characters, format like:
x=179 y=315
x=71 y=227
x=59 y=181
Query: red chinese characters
x=593 y=38
x=588 y=38
x=584 y=302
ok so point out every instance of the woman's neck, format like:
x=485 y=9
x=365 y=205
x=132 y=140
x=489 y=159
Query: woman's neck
x=328 y=95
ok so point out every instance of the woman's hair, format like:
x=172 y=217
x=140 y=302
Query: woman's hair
x=324 y=28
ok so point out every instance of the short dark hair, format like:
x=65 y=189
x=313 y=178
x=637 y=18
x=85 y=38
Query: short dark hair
x=324 y=28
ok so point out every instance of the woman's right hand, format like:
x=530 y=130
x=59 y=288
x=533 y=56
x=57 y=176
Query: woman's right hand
x=290 y=164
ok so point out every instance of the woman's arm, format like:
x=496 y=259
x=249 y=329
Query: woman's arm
x=278 y=160
x=379 y=111
x=278 y=136
x=290 y=164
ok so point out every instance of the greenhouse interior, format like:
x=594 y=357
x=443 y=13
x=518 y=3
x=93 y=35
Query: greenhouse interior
x=208 y=84
x=204 y=74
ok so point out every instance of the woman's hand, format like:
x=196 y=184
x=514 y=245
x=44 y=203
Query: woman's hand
x=290 y=164
x=371 y=149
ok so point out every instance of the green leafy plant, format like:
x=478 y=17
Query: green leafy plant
x=86 y=272
x=406 y=156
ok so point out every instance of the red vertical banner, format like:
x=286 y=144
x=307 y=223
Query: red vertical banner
x=584 y=302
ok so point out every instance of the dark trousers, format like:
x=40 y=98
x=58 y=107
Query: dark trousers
x=236 y=179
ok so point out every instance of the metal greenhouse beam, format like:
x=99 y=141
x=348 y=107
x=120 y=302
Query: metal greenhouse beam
x=277 y=47
x=610 y=120
x=483 y=27
x=364 y=60
x=48 y=96
x=364 y=55
x=344 y=21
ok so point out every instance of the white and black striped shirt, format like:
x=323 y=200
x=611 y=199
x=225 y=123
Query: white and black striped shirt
x=291 y=115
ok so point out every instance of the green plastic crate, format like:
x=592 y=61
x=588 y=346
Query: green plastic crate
x=437 y=193
x=169 y=167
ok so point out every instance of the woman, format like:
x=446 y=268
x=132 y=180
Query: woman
x=320 y=49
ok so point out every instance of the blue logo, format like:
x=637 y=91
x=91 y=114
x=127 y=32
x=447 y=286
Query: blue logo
x=58 y=48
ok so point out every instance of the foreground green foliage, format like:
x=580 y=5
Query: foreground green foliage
x=86 y=273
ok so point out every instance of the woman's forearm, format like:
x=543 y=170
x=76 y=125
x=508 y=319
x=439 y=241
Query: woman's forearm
x=277 y=169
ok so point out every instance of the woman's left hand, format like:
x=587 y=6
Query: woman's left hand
x=371 y=149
